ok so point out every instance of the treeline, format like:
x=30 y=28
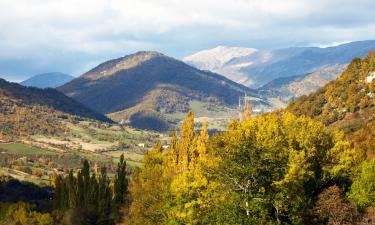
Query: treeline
x=272 y=169
x=90 y=198
x=83 y=197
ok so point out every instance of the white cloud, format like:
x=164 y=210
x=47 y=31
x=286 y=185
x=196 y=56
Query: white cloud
x=37 y=30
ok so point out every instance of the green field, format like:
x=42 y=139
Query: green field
x=129 y=163
x=23 y=149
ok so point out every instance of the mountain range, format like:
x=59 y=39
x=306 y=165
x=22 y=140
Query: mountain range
x=144 y=87
x=256 y=68
x=47 y=80
x=149 y=90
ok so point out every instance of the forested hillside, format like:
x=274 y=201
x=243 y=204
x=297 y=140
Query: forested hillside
x=26 y=111
x=347 y=103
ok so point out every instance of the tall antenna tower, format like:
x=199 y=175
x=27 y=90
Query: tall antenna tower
x=244 y=107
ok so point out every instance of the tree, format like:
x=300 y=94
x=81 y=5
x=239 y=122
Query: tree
x=147 y=188
x=23 y=214
x=104 y=199
x=274 y=163
x=121 y=182
x=369 y=217
x=84 y=195
x=333 y=209
x=362 y=191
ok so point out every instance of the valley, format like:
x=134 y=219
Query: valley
x=170 y=112
x=147 y=131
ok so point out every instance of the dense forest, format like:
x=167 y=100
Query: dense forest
x=347 y=103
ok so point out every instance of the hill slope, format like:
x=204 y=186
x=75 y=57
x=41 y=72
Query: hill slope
x=262 y=66
x=288 y=88
x=347 y=103
x=27 y=111
x=47 y=80
x=152 y=84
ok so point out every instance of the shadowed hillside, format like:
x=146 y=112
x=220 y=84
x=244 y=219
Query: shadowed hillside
x=152 y=82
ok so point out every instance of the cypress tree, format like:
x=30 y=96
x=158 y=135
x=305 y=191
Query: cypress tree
x=104 y=199
x=71 y=187
x=80 y=190
x=121 y=183
x=57 y=202
x=86 y=182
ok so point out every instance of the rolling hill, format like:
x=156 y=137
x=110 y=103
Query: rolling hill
x=47 y=80
x=256 y=68
x=28 y=110
x=144 y=87
x=347 y=103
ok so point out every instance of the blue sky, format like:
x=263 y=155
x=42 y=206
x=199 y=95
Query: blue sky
x=72 y=36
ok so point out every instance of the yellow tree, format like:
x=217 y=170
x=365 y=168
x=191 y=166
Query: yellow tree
x=186 y=143
x=147 y=188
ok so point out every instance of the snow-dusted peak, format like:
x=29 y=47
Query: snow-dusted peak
x=215 y=58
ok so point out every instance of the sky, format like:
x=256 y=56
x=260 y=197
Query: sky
x=72 y=36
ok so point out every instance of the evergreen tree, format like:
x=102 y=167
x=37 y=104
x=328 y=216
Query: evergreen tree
x=80 y=190
x=104 y=199
x=86 y=182
x=121 y=182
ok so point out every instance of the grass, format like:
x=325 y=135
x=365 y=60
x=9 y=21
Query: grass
x=23 y=149
x=129 y=163
x=127 y=154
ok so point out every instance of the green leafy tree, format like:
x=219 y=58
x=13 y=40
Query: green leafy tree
x=362 y=191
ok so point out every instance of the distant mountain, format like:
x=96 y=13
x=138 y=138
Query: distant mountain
x=347 y=103
x=216 y=60
x=47 y=80
x=288 y=88
x=259 y=67
x=143 y=87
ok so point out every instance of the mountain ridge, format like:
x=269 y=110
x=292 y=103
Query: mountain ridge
x=135 y=82
x=262 y=66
